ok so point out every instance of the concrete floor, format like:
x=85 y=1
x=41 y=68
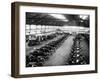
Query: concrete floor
x=59 y=57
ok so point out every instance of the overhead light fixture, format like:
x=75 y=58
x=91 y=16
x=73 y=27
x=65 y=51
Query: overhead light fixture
x=60 y=16
x=83 y=17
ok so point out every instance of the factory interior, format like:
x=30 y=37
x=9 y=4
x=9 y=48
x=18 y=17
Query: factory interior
x=54 y=39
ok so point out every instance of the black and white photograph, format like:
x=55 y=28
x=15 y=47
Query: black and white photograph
x=52 y=39
x=57 y=39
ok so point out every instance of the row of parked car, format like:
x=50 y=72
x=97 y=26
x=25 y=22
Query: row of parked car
x=76 y=56
x=39 y=56
x=39 y=39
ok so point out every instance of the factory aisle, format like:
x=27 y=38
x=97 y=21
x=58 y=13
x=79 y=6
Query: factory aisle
x=58 y=58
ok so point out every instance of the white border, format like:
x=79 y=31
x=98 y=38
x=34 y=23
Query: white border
x=53 y=69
